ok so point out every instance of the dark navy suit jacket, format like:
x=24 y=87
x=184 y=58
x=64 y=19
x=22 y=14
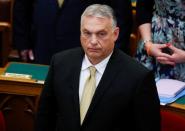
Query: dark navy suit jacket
x=125 y=98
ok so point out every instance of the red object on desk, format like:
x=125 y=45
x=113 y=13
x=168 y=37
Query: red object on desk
x=172 y=122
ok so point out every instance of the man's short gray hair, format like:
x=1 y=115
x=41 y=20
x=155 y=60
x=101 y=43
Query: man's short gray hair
x=102 y=11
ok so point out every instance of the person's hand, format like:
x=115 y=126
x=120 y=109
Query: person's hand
x=155 y=50
x=178 y=55
x=27 y=55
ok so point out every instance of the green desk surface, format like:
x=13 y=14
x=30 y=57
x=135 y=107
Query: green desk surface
x=38 y=72
x=180 y=100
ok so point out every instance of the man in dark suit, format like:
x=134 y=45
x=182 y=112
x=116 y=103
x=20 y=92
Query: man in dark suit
x=43 y=27
x=124 y=95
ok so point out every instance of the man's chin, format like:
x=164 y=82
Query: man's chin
x=93 y=55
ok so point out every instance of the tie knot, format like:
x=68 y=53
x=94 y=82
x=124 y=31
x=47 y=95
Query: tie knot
x=92 y=70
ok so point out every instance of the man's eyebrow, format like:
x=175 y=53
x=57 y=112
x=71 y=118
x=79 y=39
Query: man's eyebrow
x=101 y=30
x=85 y=30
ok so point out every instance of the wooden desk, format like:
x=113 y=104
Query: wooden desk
x=18 y=101
x=1 y=70
x=175 y=107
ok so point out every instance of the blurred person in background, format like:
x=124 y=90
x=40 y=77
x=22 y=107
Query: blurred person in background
x=162 y=28
x=44 y=27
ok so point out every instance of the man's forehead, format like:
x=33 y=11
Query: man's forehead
x=96 y=23
x=97 y=18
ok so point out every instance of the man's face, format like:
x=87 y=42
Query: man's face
x=98 y=37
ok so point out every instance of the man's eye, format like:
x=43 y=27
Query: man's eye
x=86 y=34
x=102 y=34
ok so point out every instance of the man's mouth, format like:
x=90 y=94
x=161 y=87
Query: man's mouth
x=93 y=49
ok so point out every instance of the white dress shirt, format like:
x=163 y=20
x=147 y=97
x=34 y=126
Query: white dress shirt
x=84 y=74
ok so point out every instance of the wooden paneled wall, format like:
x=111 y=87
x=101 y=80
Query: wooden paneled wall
x=6 y=7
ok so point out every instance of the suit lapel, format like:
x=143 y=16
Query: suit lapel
x=110 y=73
x=75 y=84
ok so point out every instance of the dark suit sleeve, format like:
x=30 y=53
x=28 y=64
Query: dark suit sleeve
x=144 y=10
x=22 y=24
x=123 y=12
x=147 y=105
x=46 y=114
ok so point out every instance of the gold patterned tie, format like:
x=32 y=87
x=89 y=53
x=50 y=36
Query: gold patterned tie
x=60 y=2
x=88 y=92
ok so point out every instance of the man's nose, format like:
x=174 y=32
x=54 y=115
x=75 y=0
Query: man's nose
x=93 y=39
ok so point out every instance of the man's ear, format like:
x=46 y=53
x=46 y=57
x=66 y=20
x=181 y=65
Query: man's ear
x=116 y=33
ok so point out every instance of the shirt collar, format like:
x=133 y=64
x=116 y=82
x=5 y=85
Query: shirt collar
x=100 y=67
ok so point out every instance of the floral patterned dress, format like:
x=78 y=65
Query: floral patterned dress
x=168 y=25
